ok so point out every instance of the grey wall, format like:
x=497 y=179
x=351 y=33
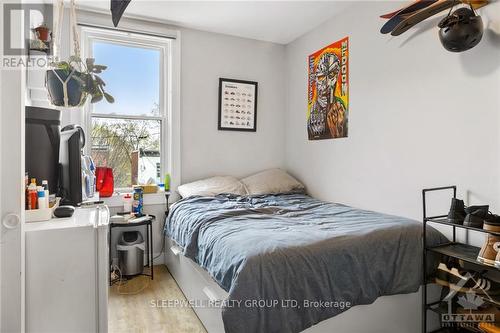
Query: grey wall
x=206 y=151
x=419 y=115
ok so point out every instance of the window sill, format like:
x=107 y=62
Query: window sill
x=149 y=199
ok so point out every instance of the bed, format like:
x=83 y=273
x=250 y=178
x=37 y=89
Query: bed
x=285 y=262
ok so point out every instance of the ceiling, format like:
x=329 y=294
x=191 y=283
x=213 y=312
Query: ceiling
x=273 y=21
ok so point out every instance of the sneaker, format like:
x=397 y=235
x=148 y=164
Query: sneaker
x=489 y=251
x=464 y=281
x=492 y=219
x=457 y=211
x=476 y=216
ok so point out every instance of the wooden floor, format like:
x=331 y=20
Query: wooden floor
x=142 y=305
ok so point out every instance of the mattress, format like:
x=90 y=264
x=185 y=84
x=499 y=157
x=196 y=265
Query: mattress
x=289 y=261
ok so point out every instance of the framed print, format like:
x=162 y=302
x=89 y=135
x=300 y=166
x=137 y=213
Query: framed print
x=237 y=105
x=328 y=92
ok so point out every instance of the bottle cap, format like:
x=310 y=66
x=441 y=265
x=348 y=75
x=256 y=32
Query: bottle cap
x=45 y=182
x=33 y=180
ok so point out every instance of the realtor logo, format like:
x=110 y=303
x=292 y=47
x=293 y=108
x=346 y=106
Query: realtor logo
x=469 y=302
x=18 y=21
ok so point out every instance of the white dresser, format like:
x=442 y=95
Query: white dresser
x=67 y=272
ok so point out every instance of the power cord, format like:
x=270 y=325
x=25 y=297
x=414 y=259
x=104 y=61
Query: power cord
x=122 y=281
x=163 y=236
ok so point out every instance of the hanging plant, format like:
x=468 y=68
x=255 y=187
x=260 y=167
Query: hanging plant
x=71 y=82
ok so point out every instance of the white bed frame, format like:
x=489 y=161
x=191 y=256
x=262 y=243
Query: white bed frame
x=388 y=314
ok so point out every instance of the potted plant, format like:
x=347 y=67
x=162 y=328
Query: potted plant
x=42 y=33
x=71 y=82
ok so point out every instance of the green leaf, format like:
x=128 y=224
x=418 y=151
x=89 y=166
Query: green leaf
x=109 y=98
x=61 y=65
x=96 y=98
x=90 y=63
x=99 y=68
x=99 y=80
x=74 y=58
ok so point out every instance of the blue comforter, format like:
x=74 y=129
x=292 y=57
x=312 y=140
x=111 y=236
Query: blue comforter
x=289 y=261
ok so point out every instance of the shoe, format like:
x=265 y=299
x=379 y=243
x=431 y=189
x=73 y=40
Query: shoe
x=489 y=328
x=476 y=216
x=457 y=213
x=464 y=281
x=492 y=219
x=497 y=258
x=489 y=251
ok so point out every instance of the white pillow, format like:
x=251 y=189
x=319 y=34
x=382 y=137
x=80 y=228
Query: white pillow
x=270 y=182
x=212 y=186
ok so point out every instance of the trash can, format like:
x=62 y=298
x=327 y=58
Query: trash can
x=131 y=253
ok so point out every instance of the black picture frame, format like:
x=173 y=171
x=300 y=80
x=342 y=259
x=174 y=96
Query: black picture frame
x=225 y=102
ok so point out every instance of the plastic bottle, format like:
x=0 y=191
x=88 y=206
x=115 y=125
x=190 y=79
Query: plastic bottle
x=127 y=203
x=42 y=201
x=167 y=182
x=32 y=195
x=26 y=193
x=45 y=185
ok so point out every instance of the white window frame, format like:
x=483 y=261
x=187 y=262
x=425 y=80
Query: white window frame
x=164 y=45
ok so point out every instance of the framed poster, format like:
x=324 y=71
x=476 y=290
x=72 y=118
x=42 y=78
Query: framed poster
x=328 y=92
x=237 y=105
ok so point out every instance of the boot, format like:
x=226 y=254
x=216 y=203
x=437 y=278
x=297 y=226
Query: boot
x=476 y=216
x=489 y=250
x=457 y=211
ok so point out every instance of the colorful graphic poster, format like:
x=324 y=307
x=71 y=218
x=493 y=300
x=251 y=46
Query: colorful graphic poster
x=328 y=92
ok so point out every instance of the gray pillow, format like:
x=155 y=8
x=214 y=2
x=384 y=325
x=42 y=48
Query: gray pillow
x=271 y=181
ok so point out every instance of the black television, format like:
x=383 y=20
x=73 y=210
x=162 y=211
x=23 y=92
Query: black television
x=43 y=128
x=70 y=165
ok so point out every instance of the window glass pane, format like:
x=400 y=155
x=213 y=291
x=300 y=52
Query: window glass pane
x=130 y=147
x=132 y=78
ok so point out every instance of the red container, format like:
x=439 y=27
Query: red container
x=104 y=181
x=33 y=199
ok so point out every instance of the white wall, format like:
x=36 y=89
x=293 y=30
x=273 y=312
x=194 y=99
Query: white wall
x=205 y=57
x=419 y=115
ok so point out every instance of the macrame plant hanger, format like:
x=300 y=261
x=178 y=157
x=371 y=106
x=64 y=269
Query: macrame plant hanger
x=57 y=47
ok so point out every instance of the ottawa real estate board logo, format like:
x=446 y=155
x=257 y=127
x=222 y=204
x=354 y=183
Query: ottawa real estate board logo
x=472 y=307
x=27 y=36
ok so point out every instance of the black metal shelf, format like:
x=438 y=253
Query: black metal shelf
x=464 y=252
x=442 y=220
x=460 y=251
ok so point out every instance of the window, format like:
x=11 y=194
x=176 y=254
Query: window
x=130 y=134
